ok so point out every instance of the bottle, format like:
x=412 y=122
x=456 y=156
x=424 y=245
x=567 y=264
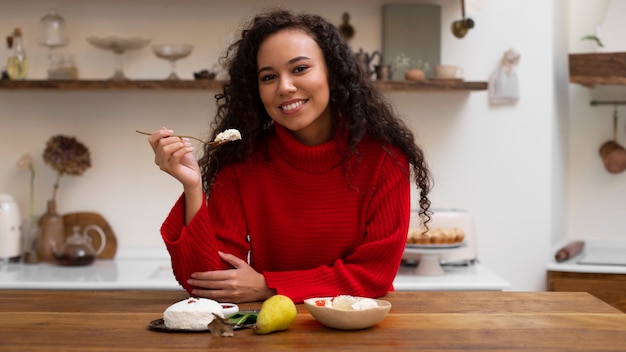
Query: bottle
x=17 y=65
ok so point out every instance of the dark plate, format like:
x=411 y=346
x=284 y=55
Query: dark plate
x=159 y=325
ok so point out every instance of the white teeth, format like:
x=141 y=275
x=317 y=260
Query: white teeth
x=292 y=105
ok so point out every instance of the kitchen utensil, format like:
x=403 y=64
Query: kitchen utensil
x=212 y=143
x=77 y=248
x=462 y=26
x=10 y=239
x=568 y=251
x=172 y=53
x=612 y=153
x=85 y=219
x=118 y=46
x=613 y=157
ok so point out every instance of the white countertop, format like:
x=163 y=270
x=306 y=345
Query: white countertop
x=475 y=277
x=607 y=254
x=151 y=270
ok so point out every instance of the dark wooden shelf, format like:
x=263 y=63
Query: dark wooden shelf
x=45 y=84
x=205 y=84
x=590 y=69
x=430 y=85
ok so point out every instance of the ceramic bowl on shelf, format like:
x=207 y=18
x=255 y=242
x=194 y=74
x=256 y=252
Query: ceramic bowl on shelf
x=343 y=318
x=172 y=53
x=117 y=44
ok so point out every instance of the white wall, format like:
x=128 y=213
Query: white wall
x=596 y=205
x=504 y=164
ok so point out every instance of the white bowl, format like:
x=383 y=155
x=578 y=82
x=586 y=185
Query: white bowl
x=347 y=319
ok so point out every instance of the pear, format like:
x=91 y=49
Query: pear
x=277 y=313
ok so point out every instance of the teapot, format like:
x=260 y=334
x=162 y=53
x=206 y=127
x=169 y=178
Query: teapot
x=77 y=249
x=366 y=59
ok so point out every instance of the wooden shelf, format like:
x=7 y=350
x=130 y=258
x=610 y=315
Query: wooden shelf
x=45 y=84
x=205 y=84
x=430 y=85
x=597 y=68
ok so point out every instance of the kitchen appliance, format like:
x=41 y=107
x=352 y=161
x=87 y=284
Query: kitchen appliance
x=10 y=237
x=450 y=218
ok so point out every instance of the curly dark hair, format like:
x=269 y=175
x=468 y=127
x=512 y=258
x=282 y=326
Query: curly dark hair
x=355 y=104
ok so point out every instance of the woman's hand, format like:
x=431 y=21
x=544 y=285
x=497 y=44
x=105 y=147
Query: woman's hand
x=241 y=284
x=174 y=155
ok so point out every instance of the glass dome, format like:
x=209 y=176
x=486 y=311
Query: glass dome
x=52 y=30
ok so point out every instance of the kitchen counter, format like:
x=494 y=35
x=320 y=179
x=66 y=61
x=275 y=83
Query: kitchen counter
x=418 y=321
x=598 y=256
x=474 y=277
x=150 y=269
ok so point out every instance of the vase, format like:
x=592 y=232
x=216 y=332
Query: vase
x=52 y=234
x=30 y=237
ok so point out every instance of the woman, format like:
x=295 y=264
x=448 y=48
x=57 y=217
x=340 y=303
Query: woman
x=315 y=198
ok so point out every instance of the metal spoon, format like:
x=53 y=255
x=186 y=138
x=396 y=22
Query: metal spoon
x=212 y=143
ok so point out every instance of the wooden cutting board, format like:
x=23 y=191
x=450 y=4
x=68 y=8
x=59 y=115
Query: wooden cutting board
x=84 y=219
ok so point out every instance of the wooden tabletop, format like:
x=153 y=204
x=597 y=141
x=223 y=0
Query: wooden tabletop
x=32 y=320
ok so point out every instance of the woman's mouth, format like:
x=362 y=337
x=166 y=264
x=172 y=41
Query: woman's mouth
x=292 y=106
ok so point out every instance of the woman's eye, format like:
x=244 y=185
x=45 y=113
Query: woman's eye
x=300 y=69
x=267 y=77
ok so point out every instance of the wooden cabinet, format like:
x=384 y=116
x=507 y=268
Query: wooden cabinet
x=610 y=288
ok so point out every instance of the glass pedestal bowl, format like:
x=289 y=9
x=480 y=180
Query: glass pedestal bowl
x=172 y=53
x=118 y=46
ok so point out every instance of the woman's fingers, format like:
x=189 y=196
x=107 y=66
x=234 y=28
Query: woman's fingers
x=157 y=136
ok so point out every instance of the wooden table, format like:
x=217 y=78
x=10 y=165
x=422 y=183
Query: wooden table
x=117 y=321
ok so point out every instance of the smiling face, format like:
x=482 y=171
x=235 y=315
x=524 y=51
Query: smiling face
x=293 y=85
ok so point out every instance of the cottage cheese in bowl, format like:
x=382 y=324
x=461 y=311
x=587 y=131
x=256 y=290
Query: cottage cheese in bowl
x=345 y=312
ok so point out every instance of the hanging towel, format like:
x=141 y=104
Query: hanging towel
x=504 y=83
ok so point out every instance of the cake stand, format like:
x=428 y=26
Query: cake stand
x=118 y=46
x=428 y=256
x=172 y=53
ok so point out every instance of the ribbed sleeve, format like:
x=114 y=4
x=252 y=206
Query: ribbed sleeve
x=310 y=230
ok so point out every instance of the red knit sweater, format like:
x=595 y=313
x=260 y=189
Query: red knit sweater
x=309 y=231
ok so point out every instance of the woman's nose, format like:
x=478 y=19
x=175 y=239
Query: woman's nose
x=286 y=86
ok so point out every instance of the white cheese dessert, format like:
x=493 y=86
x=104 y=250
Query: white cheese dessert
x=192 y=314
x=228 y=135
x=351 y=302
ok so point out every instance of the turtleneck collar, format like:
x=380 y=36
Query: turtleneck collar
x=312 y=159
